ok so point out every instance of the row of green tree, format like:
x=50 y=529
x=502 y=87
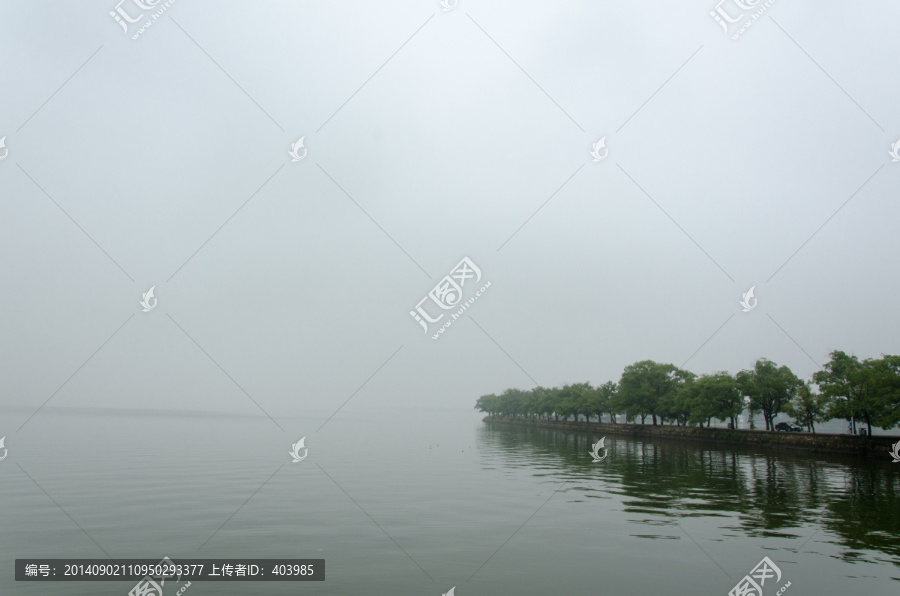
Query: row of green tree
x=859 y=391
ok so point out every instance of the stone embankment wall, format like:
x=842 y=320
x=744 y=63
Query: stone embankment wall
x=878 y=446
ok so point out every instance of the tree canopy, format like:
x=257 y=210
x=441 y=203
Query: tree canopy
x=846 y=387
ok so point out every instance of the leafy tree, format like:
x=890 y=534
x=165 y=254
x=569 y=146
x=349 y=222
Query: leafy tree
x=696 y=402
x=573 y=400
x=583 y=397
x=678 y=403
x=809 y=407
x=606 y=397
x=715 y=396
x=646 y=386
x=511 y=402
x=488 y=403
x=729 y=403
x=592 y=403
x=621 y=405
x=769 y=387
x=543 y=405
x=553 y=401
x=841 y=381
x=529 y=404
x=888 y=390
x=866 y=390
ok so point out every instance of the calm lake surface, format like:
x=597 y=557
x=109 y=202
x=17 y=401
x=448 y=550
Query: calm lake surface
x=418 y=502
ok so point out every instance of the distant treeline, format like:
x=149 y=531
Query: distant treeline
x=866 y=391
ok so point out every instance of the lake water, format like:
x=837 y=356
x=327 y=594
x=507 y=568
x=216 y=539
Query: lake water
x=417 y=502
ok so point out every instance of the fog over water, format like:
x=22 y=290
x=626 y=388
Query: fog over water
x=312 y=191
x=473 y=505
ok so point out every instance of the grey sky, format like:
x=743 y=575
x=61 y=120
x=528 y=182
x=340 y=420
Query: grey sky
x=745 y=148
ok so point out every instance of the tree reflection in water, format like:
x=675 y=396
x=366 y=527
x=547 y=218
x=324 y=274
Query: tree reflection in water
x=851 y=501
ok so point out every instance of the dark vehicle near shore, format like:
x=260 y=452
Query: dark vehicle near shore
x=788 y=426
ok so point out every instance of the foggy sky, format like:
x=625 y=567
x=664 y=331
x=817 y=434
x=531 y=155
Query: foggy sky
x=448 y=131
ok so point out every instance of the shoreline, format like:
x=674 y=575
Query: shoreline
x=877 y=446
